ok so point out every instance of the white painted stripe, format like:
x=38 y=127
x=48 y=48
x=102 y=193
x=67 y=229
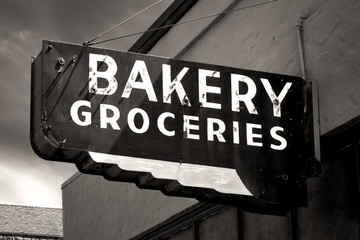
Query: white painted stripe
x=223 y=180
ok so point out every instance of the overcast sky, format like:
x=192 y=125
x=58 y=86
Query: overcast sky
x=25 y=179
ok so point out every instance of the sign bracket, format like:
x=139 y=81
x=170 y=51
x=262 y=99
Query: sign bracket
x=311 y=95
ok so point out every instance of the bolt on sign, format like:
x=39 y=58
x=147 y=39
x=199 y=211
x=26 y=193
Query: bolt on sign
x=215 y=133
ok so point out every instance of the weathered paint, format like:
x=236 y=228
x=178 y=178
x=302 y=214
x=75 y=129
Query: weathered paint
x=253 y=39
x=276 y=100
x=261 y=38
x=109 y=74
x=223 y=180
x=169 y=86
x=139 y=69
x=127 y=112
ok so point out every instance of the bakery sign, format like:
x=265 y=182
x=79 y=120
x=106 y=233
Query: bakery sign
x=189 y=129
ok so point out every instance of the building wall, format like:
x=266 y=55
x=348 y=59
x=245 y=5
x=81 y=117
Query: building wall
x=333 y=211
x=264 y=38
x=95 y=208
x=259 y=38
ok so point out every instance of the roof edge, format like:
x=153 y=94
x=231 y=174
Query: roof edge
x=70 y=180
x=171 y=16
x=30 y=236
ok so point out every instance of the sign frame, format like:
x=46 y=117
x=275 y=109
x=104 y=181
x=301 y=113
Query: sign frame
x=265 y=181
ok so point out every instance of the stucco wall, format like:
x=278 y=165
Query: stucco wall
x=261 y=38
x=264 y=38
x=332 y=43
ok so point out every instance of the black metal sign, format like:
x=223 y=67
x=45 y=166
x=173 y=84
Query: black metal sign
x=226 y=130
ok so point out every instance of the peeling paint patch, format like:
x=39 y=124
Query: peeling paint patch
x=139 y=69
x=169 y=86
x=223 y=180
x=108 y=75
x=276 y=100
x=189 y=125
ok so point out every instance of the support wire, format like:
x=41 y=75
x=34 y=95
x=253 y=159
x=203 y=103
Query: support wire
x=119 y=24
x=180 y=23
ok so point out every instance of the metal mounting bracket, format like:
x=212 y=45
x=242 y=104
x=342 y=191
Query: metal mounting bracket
x=311 y=93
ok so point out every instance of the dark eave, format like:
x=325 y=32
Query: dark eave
x=171 y=15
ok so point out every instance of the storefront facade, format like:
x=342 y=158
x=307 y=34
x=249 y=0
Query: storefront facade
x=263 y=37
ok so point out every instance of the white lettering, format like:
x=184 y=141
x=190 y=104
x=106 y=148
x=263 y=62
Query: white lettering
x=161 y=124
x=74 y=113
x=243 y=91
x=276 y=100
x=105 y=119
x=187 y=127
x=131 y=118
x=109 y=74
x=236 y=132
x=211 y=132
x=169 y=86
x=139 y=68
x=283 y=142
x=250 y=135
x=204 y=88
x=236 y=97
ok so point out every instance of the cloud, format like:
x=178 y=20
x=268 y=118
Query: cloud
x=25 y=178
x=26 y=188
